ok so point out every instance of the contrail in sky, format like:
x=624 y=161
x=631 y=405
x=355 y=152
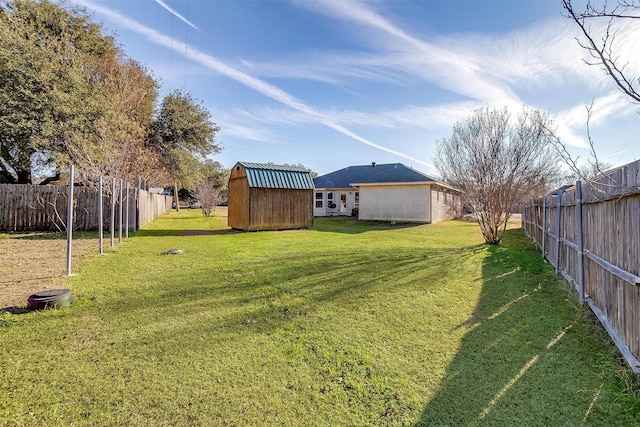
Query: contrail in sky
x=176 y=14
x=256 y=84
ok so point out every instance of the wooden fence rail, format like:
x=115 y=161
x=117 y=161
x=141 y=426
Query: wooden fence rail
x=591 y=234
x=44 y=207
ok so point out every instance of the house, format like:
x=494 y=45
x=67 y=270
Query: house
x=269 y=197
x=387 y=192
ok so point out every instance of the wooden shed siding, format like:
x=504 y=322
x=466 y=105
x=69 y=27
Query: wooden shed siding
x=254 y=208
x=395 y=203
x=238 y=200
x=278 y=209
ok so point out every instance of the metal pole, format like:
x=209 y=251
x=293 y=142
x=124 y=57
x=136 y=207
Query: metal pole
x=120 y=213
x=126 y=222
x=69 y=219
x=581 y=292
x=559 y=231
x=100 y=218
x=134 y=220
x=112 y=226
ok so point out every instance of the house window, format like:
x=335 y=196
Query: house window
x=329 y=196
x=318 y=203
x=318 y=196
x=357 y=197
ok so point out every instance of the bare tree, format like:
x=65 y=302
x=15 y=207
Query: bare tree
x=498 y=163
x=593 y=172
x=599 y=40
x=601 y=47
x=208 y=195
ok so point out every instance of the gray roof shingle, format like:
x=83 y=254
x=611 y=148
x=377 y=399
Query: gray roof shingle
x=369 y=174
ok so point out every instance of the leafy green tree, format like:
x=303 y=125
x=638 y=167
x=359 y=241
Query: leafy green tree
x=184 y=135
x=115 y=145
x=48 y=71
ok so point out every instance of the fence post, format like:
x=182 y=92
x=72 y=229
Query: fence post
x=120 y=212
x=69 y=219
x=112 y=227
x=527 y=208
x=126 y=221
x=559 y=231
x=100 y=218
x=580 y=236
x=544 y=225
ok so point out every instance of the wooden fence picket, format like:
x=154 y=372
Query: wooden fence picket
x=595 y=233
x=40 y=207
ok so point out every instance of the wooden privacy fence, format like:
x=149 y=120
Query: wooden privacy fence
x=590 y=233
x=44 y=207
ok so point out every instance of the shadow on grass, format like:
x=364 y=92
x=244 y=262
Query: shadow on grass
x=342 y=225
x=182 y=232
x=15 y=310
x=519 y=363
x=267 y=294
x=52 y=235
x=351 y=225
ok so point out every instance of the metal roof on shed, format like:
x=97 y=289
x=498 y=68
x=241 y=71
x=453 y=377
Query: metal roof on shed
x=262 y=175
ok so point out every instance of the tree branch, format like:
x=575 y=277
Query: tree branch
x=603 y=52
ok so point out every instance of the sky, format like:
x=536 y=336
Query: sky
x=334 y=83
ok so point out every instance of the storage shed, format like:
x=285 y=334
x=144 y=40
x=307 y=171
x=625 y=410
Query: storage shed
x=270 y=197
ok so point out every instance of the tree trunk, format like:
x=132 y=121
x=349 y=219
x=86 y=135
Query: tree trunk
x=24 y=177
x=7 y=177
x=51 y=179
x=175 y=197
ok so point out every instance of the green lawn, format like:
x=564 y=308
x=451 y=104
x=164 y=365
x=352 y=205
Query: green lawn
x=344 y=324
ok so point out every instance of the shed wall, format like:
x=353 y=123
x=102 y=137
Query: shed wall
x=410 y=203
x=238 y=199
x=279 y=209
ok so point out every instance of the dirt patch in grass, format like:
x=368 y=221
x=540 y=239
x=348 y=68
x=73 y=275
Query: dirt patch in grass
x=35 y=262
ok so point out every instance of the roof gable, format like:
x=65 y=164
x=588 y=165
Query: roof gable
x=372 y=174
x=266 y=175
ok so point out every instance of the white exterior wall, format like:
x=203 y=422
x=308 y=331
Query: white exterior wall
x=410 y=203
x=324 y=210
x=445 y=204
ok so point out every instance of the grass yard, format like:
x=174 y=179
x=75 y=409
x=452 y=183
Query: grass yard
x=344 y=324
x=32 y=262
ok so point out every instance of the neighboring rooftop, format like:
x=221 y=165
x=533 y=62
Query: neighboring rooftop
x=267 y=175
x=371 y=174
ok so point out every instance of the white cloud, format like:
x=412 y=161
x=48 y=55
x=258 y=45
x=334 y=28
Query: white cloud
x=490 y=69
x=442 y=67
x=253 y=133
x=414 y=116
x=246 y=63
x=572 y=122
x=610 y=156
x=176 y=14
x=258 y=85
